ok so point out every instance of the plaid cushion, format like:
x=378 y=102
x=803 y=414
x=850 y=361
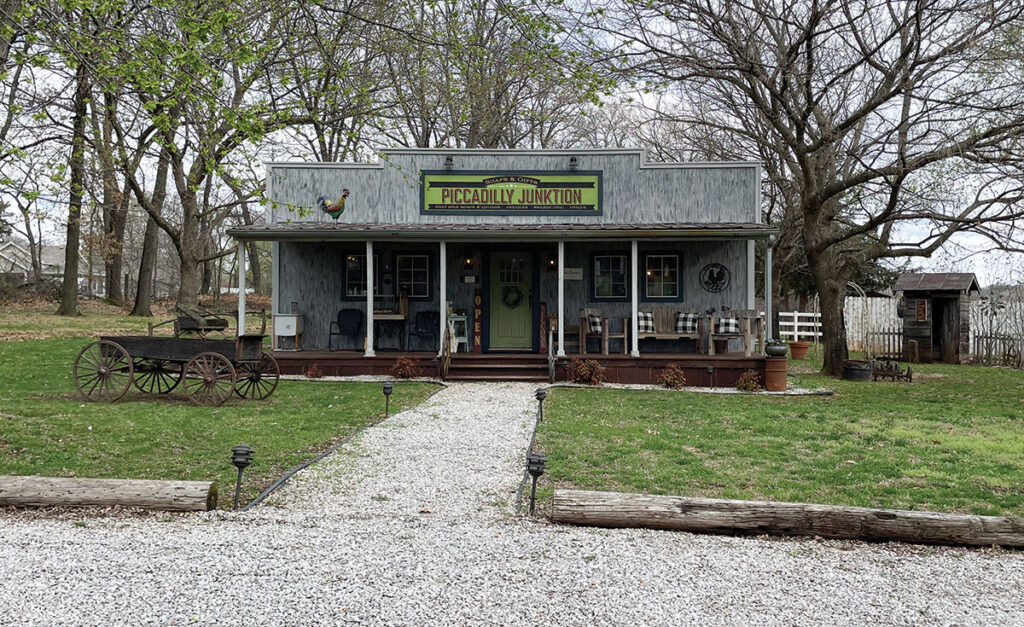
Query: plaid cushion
x=594 y=322
x=686 y=322
x=645 y=321
x=727 y=326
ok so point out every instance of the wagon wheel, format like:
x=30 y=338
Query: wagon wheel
x=209 y=379
x=157 y=376
x=103 y=371
x=258 y=380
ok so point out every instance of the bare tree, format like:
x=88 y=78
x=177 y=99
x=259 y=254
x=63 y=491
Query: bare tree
x=868 y=109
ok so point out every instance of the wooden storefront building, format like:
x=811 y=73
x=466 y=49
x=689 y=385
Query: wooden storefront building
x=526 y=254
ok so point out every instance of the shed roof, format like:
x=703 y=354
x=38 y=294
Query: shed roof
x=324 y=231
x=937 y=282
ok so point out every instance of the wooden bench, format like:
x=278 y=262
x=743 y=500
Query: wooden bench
x=665 y=326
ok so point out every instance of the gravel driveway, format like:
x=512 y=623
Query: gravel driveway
x=412 y=524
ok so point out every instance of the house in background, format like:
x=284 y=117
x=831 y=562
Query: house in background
x=525 y=253
x=16 y=267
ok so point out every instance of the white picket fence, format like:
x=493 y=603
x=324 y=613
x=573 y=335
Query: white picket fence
x=800 y=326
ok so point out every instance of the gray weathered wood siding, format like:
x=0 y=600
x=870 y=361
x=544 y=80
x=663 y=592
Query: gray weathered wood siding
x=634 y=192
x=312 y=274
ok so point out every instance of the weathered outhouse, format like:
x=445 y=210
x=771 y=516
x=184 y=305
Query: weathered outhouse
x=935 y=308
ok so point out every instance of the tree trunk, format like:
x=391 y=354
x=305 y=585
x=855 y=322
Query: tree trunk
x=36 y=275
x=831 y=286
x=114 y=250
x=151 y=243
x=254 y=267
x=69 y=289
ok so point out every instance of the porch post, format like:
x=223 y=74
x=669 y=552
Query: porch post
x=442 y=263
x=769 y=327
x=561 y=298
x=369 y=300
x=241 y=287
x=634 y=271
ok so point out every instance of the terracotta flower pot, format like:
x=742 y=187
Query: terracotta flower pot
x=775 y=374
x=798 y=350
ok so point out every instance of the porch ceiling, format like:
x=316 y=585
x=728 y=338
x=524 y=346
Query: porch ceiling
x=325 y=231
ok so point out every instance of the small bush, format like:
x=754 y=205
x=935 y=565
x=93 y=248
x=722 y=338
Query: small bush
x=314 y=371
x=587 y=371
x=749 y=381
x=672 y=377
x=404 y=368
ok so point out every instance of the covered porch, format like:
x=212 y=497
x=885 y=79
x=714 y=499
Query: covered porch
x=531 y=296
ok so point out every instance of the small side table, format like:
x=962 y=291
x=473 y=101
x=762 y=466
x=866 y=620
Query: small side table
x=288 y=325
x=461 y=326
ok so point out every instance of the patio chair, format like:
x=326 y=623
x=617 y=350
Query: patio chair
x=739 y=323
x=426 y=325
x=348 y=324
x=593 y=325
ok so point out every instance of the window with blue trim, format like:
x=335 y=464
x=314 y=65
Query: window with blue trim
x=414 y=275
x=609 y=277
x=355 y=275
x=661 y=277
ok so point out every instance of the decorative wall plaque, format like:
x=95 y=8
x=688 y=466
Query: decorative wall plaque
x=714 y=277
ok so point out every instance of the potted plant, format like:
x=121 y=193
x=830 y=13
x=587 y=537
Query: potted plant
x=775 y=348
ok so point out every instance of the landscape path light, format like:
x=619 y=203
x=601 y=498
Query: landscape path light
x=541 y=395
x=241 y=457
x=389 y=387
x=535 y=463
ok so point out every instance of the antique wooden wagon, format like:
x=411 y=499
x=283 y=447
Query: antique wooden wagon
x=209 y=370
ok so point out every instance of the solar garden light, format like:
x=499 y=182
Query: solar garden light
x=541 y=395
x=389 y=387
x=535 y=466
x=241 y=456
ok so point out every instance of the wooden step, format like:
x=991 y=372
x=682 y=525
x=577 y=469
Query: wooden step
x=484 y=377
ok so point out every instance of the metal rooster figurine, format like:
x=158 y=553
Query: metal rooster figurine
x=334 y=210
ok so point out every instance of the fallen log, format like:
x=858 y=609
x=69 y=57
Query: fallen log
x=173 y=496
x=702 y=515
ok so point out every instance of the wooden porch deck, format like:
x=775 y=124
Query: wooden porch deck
x=700 y=370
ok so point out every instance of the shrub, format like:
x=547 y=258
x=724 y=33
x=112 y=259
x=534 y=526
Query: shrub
x=314 y=371
x=404 y=368
x=749 y=381
x=672 y=377
x=587 y=371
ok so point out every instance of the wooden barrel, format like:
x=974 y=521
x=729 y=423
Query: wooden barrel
x=856 y=370
x=775 y=374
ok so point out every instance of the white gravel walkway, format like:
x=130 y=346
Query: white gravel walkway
x=411 y=524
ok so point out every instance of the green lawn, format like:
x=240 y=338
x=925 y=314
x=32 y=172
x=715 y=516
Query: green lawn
x=951 y=441
x=45 y=429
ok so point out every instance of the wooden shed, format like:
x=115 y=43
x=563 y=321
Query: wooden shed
x=935 y=308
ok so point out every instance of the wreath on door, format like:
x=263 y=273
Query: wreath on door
x=511 y=296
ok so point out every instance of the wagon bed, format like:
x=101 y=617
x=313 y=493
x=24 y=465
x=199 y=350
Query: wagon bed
x=209 y=370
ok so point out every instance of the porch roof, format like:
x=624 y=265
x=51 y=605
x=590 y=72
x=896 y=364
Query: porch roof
x=327 y=231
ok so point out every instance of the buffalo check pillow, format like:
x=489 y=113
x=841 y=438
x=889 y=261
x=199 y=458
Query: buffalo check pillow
x=645 y=320
x=726 y=326
x=594 y=322
x=686 y=322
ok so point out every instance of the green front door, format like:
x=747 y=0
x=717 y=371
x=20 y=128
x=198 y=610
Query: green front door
x=511 y=308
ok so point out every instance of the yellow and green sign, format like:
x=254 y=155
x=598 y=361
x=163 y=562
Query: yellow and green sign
x=447 y=192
